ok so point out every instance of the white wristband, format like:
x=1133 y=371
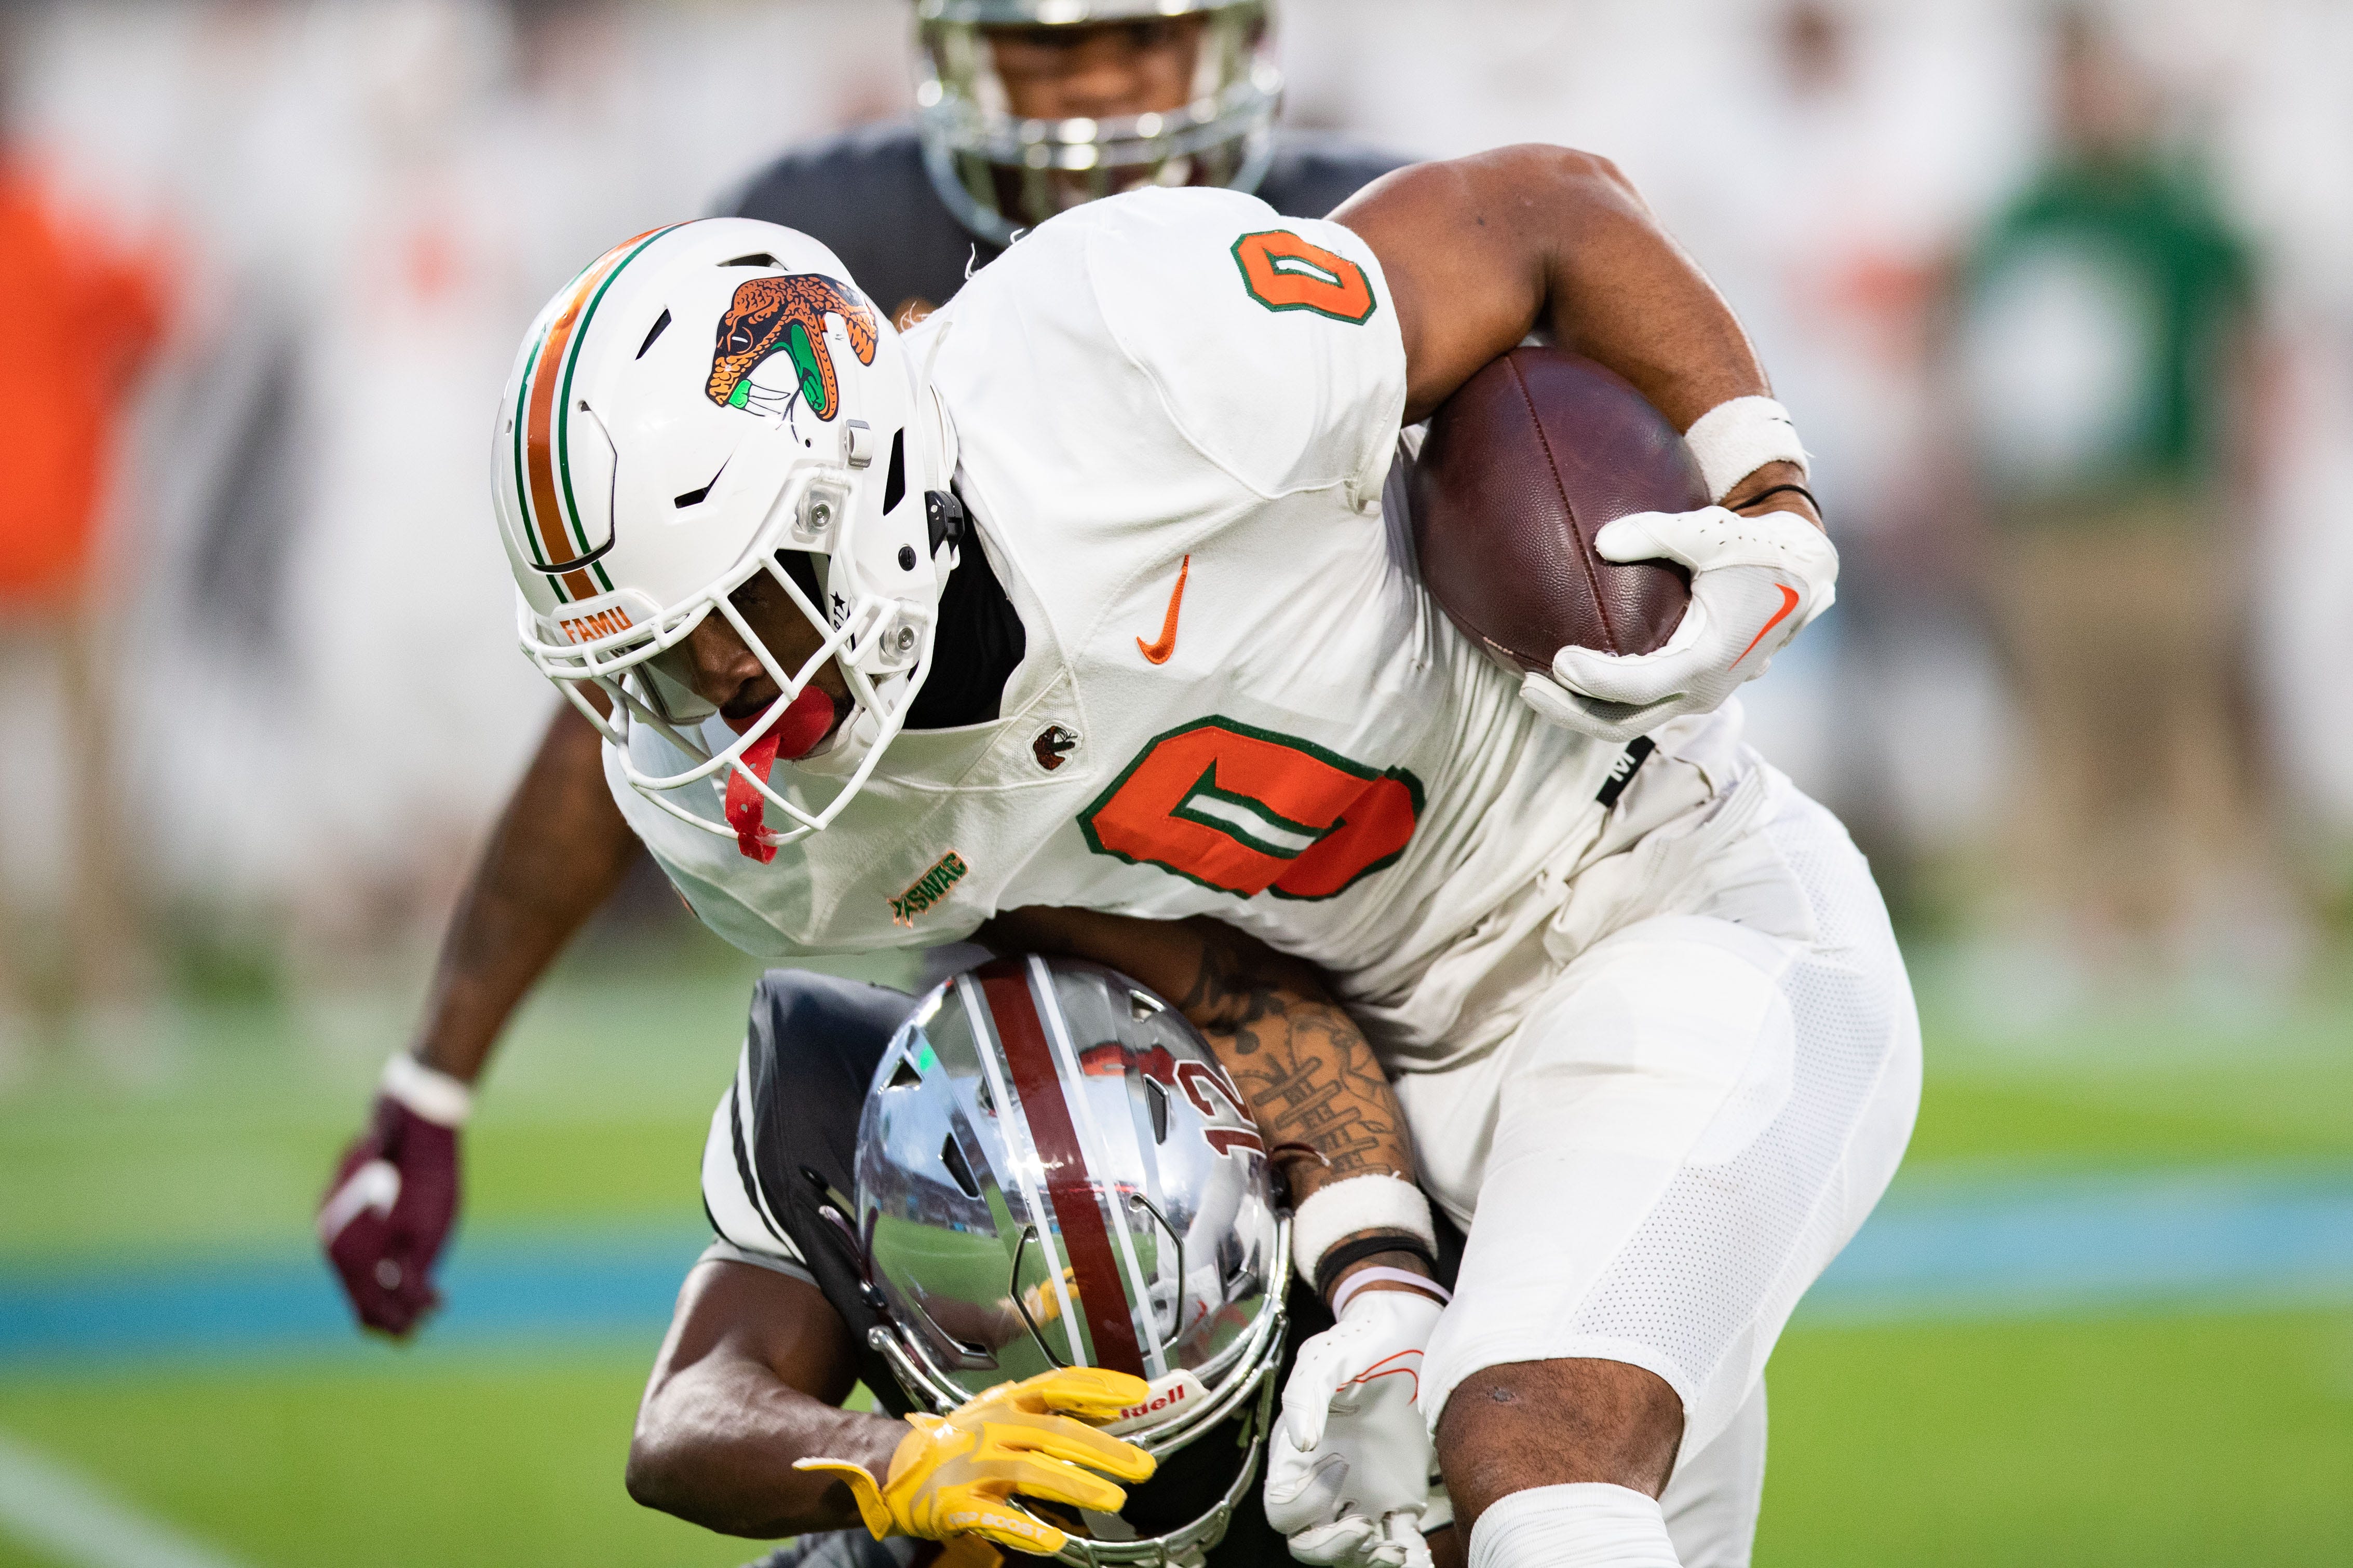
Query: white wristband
x=1375 y=1202
x=1733 y=439
x=435 y=1095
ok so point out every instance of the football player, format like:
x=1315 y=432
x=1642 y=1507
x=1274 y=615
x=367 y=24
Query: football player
x=1074 y=617
x=879 y=1219
x=1027 y=106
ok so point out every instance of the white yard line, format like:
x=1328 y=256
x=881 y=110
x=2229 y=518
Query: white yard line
x=65 y=1516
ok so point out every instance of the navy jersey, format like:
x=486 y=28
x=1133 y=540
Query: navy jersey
x=866 y=195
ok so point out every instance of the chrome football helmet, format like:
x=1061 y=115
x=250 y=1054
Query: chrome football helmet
x=1000 y=173
x=703 y=403
x=1054 y=1171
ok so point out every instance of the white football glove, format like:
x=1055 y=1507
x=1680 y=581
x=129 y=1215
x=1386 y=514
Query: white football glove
x=1347 y=1470
x=1755 y=582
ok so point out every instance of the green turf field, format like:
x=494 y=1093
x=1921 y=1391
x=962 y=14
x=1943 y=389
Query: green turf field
x=2176 y=1436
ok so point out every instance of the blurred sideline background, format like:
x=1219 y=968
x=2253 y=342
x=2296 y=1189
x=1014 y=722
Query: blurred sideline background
x=2064 y=305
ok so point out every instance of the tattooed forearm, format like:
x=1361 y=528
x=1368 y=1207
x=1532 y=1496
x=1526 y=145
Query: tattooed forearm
x=1304 y=1104
x=1306 y=1071
x=1300 y=1060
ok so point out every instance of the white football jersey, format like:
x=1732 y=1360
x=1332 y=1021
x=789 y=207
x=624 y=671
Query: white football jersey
x=1176 y=414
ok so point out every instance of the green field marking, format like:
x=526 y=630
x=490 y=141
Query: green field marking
x=52 y=1509
x=439 y=1459
x=2132 y=1442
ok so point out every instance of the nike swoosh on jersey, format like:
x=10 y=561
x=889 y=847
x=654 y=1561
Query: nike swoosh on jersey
x=1158 y=652
x=1789 y=603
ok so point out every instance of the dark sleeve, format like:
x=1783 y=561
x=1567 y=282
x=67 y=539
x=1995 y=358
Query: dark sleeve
x=808 y=1055
x=1315 y=172
x=866 y=196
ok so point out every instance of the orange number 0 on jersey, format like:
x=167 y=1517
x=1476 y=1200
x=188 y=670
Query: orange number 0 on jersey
x=1284 y=272
x=1247 y=811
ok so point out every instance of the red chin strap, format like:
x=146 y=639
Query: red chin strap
x=805 y=722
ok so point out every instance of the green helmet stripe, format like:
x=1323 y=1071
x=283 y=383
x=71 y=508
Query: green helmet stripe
x=563 y=403
x=523 y=486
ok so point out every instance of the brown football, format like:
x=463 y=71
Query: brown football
x=1520 y=469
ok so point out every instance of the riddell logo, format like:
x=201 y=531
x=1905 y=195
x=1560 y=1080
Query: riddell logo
x=1178 y=1388
x=590 y=627
x=1176 y=1396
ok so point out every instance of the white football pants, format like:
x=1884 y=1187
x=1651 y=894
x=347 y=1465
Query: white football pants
x=1684 y=1129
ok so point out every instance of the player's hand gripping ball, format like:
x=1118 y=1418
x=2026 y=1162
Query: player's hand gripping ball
x=1755 y=582
x=1348 y=1465
x=1563 y=524
x=389 y=1213
x=955 y=1474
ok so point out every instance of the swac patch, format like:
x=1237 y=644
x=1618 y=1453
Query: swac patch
x=928 y=889
x=787 y=315
x=1247 y=811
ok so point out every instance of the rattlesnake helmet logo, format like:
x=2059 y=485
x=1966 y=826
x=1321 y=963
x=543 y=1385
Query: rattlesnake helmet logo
x=787 y=315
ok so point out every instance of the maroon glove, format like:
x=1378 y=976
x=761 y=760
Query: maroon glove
x=395 y=1197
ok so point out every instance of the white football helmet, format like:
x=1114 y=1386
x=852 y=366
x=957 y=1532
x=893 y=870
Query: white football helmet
x=705 y=402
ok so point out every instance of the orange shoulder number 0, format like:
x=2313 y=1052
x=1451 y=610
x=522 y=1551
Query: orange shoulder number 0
x=1284 y=272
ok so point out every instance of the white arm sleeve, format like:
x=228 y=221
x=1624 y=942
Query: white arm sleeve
x=739 y=1210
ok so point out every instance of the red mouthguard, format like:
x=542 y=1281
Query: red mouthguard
x=805 y=723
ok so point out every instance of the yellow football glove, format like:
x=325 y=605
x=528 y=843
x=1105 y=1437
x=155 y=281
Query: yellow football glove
x=955 y=1474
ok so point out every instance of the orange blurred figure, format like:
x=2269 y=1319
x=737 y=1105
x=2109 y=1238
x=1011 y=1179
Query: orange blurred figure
x=76 y=324
x=77 y=321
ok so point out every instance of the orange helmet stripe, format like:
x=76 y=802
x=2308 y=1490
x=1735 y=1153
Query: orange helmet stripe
x=537 y=479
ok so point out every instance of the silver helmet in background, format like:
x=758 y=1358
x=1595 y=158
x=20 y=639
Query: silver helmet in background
x=1054 y=1171
x=1000 y=173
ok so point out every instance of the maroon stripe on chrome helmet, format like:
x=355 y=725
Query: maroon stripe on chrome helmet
x=1077 y=1198
x=1054 y=1171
